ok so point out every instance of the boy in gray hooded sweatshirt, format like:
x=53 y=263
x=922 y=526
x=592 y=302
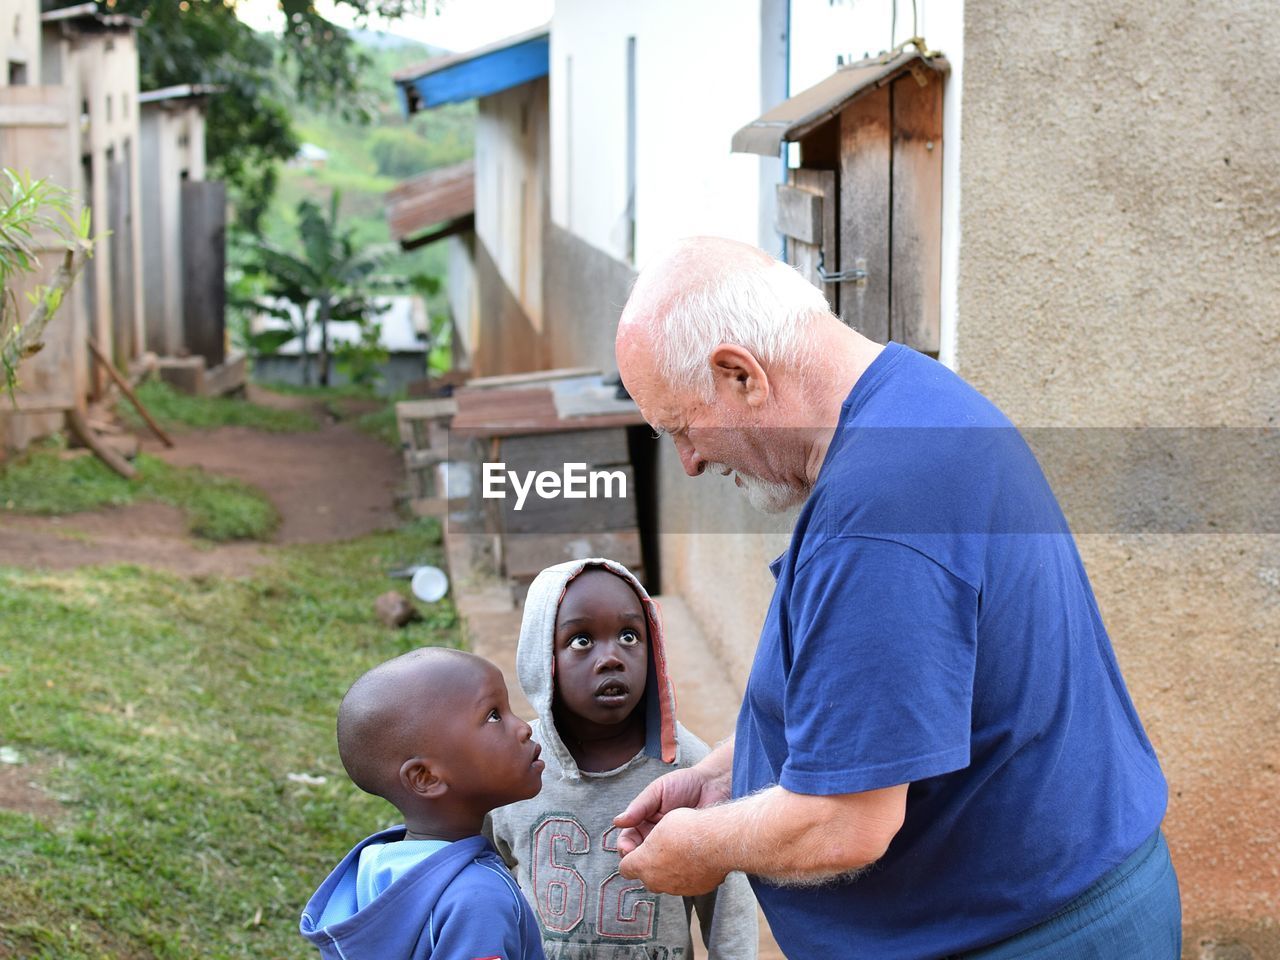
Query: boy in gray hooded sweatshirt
x=592 y=663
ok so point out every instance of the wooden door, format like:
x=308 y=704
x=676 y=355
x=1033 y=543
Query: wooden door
x=204 y=263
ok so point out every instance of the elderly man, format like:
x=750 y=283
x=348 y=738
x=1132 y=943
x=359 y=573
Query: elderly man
x=936 y=754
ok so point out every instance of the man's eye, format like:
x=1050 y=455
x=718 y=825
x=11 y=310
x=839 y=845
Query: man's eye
x=495 y=716
x=579 y=642
x=629 y=638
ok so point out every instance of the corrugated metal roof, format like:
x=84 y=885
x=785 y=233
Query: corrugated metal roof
x=793 y=118
x=430 y=198
x=183 y=91
x=85 y=14
x=476 y=73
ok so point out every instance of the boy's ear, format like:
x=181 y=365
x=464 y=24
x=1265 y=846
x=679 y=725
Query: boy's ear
x=418 y=778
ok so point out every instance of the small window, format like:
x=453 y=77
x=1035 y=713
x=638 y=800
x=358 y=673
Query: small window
x=108 y=99
x=17 y=73
x=862 y=212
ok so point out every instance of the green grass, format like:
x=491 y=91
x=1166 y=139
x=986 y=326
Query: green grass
x=217 y=508
x=380 y=423
x=174 y=409
x=167 y=714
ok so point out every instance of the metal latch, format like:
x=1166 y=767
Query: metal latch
x=857 y=275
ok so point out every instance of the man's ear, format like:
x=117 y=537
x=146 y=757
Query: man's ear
x=418 y=778
x=737 y=374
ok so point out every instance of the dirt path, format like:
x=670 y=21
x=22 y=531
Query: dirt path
x=333 y=484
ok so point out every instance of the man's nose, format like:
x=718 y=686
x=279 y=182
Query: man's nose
x=689 y=459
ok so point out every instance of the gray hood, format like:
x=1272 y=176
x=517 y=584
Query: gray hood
x=535 y=658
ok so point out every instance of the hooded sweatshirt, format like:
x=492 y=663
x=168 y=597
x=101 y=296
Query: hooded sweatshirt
x=562 y=844
x=459 y=903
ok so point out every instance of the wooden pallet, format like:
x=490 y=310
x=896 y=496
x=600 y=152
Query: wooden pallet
x=424 y=442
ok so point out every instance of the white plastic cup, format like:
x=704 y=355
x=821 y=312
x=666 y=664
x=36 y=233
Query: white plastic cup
x=429 y=584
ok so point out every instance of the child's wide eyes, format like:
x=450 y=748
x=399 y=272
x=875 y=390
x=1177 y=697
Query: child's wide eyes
x=580 y=642
x=495 y=716
x=629 y=638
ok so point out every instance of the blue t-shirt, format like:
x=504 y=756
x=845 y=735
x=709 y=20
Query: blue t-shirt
x=932 y=624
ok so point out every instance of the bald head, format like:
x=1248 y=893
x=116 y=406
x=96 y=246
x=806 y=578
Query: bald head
x=705 y=291
x=391 y=712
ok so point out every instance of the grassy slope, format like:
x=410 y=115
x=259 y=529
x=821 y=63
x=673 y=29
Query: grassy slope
x=168 y=714
x=217 y=508
x=447 y=135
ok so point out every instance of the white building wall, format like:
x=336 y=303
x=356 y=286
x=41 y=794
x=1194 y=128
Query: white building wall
x=511 y=175
x=102 y=71
x=20 y=40
x=697 y=81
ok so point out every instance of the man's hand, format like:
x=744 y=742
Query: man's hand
x=698 y=786
x=665 y=862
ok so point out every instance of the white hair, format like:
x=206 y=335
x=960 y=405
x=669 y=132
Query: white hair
x=760 y=304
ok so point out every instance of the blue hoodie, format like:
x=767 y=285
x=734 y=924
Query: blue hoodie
x=460 y=903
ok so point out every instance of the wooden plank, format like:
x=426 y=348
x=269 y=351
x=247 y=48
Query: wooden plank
x=426 y=409
x=414 y=459
x=595 y=448
x=127 y=390
x=561 y=515
x=512 y=412
x=799 y=214
x=78 y=426
x=916 y=296
x=804 y=256
x=528 y=554
x=864 y=213
x=532 y=377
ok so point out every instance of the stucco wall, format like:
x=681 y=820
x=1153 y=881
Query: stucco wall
x=1118 y=267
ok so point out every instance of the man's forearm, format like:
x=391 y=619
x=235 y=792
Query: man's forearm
x=797 y=837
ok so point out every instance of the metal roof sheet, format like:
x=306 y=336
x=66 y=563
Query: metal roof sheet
x=809 y=109
x=430 y=198
x=476 y=73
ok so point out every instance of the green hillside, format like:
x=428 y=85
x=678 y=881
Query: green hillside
x=365 y=161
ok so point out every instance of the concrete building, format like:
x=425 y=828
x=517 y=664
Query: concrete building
x=496 y=272
x=70 y=114
x=95 y=57
x=172 y=137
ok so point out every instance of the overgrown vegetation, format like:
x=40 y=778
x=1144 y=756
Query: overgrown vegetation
x=262 y=78
x=187 y=728
x=46 y=481
x=174 y=409
x=29 y=208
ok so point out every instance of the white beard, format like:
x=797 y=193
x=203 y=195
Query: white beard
x=765 y=495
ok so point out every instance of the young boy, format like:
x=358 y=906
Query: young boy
x=431 y=733
x=592 y=663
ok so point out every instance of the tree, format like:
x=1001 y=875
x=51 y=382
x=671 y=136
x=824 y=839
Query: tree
x=248 y=130
x=29 y=208
x=334 y=279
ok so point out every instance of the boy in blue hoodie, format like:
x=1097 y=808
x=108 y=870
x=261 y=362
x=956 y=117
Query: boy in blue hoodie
x=432 y=733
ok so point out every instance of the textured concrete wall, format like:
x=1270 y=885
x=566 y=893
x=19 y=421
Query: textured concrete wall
x=1119 y=267
x=584 y=291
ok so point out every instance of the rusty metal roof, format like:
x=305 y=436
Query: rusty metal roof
x=434 y=197
x=809 y=109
